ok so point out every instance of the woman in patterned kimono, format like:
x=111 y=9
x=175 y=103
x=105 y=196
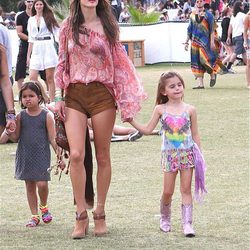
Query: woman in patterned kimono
x=204 y=47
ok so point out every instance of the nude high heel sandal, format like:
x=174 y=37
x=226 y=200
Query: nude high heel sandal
x=100 y=224
x=81 y=226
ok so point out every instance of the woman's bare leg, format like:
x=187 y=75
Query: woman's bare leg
x=50 y=82
x=103 y=124
x=75 y=125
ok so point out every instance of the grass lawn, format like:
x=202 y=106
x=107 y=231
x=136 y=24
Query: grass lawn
x=132 y=211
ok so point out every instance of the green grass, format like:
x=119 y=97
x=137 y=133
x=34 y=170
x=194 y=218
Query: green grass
x=221 y=222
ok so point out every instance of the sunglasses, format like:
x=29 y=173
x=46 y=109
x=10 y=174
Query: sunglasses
x=29 y=1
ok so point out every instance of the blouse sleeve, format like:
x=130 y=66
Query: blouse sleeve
x=128 y=88
x=29 y=29
x=61 y=74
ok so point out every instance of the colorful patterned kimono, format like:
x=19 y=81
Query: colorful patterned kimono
x=203 y=59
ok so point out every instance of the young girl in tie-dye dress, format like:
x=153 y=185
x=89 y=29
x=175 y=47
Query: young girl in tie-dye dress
x=180 y=149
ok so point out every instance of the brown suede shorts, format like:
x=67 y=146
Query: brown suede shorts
x=89 y=99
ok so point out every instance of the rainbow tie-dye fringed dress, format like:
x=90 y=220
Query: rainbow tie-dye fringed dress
x=203 y=58
x=177 y=142
x=179 y=151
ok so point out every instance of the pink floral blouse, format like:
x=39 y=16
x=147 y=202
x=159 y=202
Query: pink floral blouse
x=95 y=60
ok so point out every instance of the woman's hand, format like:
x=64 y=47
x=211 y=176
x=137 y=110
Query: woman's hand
x=60 y=109
x=186 y=45
x=228 y=41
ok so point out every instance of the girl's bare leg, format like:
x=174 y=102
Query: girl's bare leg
x=32 y=196
x=43 y=192
x=185 y=187
x=50 y=82
x=168 y=187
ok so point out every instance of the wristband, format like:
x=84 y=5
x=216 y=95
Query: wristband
x=6 y=133
x=10 y=116
x=11 y=111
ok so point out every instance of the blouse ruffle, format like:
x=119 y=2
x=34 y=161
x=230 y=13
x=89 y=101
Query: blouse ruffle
x=97 y=61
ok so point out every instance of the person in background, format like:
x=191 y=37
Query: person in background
x=7 y=108
x=204 y=57
x=187 y=6
x=6 y=65
x=247 y=46
x=21 y=8
x=93 y=90
x=22 y=32
x=1 y=14
x=116 y=8
x=42 y=32
x=235 y=34
x=226 y=15
x=124 y=16
x=180 y=149
x=164 y=15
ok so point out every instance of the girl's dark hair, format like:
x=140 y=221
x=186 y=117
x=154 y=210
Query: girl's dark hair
x=35 y=87
x=237 y=8
x=104 y=12
x=48 y=15
x=160 y=98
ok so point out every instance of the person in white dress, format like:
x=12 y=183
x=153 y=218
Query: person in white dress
x=43 y=31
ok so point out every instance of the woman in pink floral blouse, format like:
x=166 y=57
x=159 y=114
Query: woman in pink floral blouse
x=97 y=78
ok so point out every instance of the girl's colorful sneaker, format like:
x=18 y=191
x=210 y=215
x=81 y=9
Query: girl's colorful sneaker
x=46 y=215
x=35 y=220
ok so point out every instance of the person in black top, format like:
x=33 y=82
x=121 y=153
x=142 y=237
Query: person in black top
x=226 y=15
x=21 y=28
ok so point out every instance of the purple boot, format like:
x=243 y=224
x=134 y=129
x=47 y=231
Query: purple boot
x=187 y=214
x=165 y=210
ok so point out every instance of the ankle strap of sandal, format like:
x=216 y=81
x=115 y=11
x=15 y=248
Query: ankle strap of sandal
x=98 y=216
x=82 y=216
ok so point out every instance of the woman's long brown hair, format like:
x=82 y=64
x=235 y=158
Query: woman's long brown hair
x=104 y=12
x=48 y=15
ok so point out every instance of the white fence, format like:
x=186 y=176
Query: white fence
x=162 y=41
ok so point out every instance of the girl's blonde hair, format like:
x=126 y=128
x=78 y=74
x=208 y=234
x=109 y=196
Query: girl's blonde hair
x=160 y=98
x=36 y=87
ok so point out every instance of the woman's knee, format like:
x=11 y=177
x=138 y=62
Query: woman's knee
x=76 y=157
x=103 y=159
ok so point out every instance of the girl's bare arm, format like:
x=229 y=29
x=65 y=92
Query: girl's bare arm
x=149 y=127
